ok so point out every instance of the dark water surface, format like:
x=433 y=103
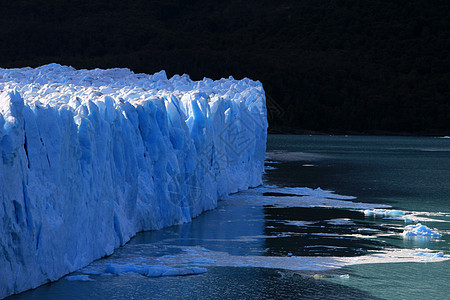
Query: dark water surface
x=407 y=173
x=411 y=173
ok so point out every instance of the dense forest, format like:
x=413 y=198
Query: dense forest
x=343 y=66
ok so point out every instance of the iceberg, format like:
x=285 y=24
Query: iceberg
x=420 y=230
x=91 y=157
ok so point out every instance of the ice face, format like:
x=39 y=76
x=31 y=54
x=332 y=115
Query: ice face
x=90 y=157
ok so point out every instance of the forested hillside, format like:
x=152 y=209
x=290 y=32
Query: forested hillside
x=366 y=66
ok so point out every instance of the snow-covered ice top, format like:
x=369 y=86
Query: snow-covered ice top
x=56 y=85
x=90 y=157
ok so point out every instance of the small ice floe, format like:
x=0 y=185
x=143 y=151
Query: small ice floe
x=153 y=270
x=382 y=213
x=79 y=278
x=343 y=221
x=269 y=161
x=319 y=276
x=420 y=230
x=406 y=216
x=308 y=165
x=430 y=254
x=325 y=246
x=299 y=197
x=269 y=168
x=299 y=223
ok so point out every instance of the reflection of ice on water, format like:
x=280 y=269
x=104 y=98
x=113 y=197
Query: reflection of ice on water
x=170 y=257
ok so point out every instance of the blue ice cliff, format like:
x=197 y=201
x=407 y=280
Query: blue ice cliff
x=91 y=157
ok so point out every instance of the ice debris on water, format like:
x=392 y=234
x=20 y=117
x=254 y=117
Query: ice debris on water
x=430 y=254
x=420 y=230
x=381 y=213
x=153 y=270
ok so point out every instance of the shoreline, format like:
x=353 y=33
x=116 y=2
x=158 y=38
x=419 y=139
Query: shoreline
x=293 y=131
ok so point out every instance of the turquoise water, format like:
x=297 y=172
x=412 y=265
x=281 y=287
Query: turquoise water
x=407 y=173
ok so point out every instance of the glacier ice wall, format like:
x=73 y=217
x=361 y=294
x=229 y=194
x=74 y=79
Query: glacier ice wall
x=91 y=157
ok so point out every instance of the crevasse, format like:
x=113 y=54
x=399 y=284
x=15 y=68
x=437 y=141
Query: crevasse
x=91 y=157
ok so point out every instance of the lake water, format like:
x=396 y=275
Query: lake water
x=285 y=242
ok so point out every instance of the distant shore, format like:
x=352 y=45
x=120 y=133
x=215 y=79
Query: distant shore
x=286 y=130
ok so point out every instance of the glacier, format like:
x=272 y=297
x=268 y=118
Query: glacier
x=91 y=157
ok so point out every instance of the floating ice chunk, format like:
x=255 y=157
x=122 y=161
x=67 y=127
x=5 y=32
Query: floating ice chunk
x=269 y=168
x=299 y=223
x=420 y=230
x=153 y=270
x=430 y=254
x=320 y=276
x=79 y=278
x=411 y=216
x=343 y=221
x=271 y=161
x=299 y=197
x=325 y=246
x=381 y=213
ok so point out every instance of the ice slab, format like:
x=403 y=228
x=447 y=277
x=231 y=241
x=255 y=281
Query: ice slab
x=383 y=213
x=79 y=278
x=293 y=263
x=153 y=270
x=284 y=197
x=299 y=223
x=406 y=216
x=267 y=168
x=430 y=254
